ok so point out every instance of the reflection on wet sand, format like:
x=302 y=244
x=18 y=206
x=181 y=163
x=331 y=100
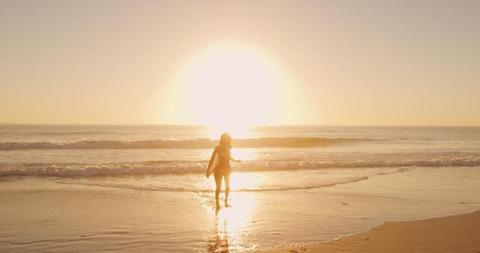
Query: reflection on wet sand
x=232 y=226
x=219 y=242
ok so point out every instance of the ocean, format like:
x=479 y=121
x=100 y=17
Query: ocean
x=142 y=188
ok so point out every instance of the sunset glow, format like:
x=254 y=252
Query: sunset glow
x=239 y=126
x=230 y=87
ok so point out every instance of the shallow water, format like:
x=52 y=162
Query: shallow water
x=157 y=199
x=58 y=215
x=66 y=151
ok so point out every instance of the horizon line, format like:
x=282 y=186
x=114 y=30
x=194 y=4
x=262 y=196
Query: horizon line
x=194 y=125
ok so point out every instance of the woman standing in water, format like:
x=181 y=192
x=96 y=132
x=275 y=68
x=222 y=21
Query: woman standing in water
x=222 y=168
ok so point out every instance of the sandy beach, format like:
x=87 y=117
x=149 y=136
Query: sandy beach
x=459 y=233
x=132 y=214
x=118 y=199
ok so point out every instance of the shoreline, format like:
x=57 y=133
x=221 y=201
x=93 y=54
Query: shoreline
x=62 y=215
x=456 y=233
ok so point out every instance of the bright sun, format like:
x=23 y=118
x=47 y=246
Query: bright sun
x=231 y=88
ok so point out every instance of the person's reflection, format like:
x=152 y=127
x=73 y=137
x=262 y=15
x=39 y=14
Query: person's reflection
x=219 y=242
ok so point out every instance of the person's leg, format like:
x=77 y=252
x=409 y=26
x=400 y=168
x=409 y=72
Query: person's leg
x=218 y=183
x=227 y=187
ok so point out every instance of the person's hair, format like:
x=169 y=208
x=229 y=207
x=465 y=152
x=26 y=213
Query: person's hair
x=225 y=140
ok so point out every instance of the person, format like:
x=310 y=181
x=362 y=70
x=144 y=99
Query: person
x=222 y=169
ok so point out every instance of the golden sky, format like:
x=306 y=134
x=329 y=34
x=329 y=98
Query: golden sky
x=247 y=62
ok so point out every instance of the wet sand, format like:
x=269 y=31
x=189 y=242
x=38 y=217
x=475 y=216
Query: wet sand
x=135 y=214
x=459 y=233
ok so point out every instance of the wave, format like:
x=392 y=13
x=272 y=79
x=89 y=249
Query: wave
x=69 y=133
x=272 y=142
x=189 y=167
x=184 y=189
x=258 y=189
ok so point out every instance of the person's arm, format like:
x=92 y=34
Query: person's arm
x=211 y=160
x=237 y=161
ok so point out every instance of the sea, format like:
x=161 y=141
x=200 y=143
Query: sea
x=122 y=188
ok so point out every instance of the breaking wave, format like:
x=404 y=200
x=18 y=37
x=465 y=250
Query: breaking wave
x=286 y=142
x=186 y=167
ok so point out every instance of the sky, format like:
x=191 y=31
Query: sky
x=261 y=62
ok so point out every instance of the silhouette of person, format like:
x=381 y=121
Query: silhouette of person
x=222 y=169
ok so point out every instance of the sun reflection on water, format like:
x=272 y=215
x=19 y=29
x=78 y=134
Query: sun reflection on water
x=244 y=154
x=246 y=180
x=238 y=132
x=239 y=181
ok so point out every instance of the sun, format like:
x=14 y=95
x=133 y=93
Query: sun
x=230 y=88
